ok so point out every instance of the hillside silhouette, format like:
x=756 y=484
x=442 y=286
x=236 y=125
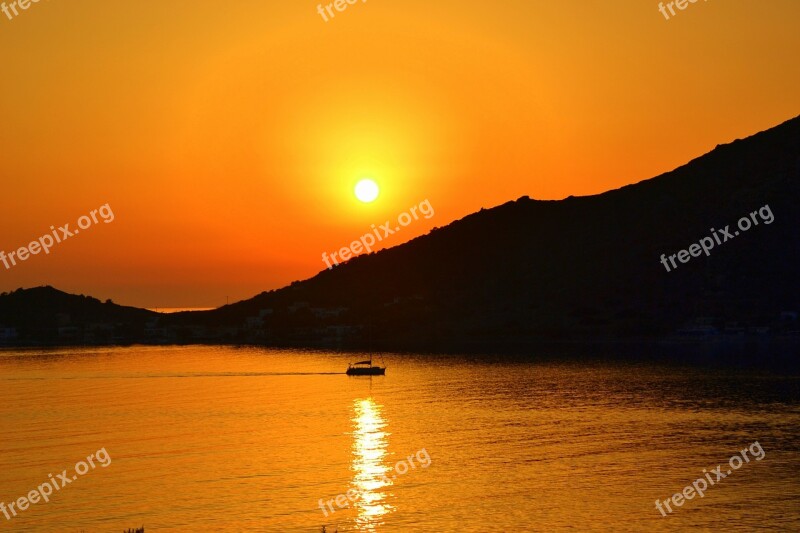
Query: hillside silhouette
x=583 y=268
x=48 y=316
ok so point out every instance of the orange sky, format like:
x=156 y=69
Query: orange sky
x=227 y=136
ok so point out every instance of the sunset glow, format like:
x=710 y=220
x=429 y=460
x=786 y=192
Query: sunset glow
x=399 y=266
x=229 y=145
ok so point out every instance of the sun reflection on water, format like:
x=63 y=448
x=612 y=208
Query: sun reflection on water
x=369 y=471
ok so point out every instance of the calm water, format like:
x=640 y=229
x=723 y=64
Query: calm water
x=225 y=439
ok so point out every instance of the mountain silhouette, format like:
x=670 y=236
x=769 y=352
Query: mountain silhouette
x=583 y=268
x=44 y=315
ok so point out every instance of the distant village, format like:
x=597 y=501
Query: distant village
x=303 y=324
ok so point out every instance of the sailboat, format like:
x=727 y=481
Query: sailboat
x=365 y=368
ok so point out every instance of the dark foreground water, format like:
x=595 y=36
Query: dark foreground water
x=226 y=439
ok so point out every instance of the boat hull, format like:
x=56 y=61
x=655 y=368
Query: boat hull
x=374 y=371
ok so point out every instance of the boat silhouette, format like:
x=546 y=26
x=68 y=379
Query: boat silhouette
x=365 y=368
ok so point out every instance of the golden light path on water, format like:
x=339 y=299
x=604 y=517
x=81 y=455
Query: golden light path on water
x=369 y=471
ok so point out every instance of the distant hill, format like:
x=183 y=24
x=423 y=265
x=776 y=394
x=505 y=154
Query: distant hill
x=583 y=268
x=47 y=315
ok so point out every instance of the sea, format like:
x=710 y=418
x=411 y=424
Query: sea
x=223 y=438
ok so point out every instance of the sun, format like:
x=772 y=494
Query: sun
x=367 y=190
